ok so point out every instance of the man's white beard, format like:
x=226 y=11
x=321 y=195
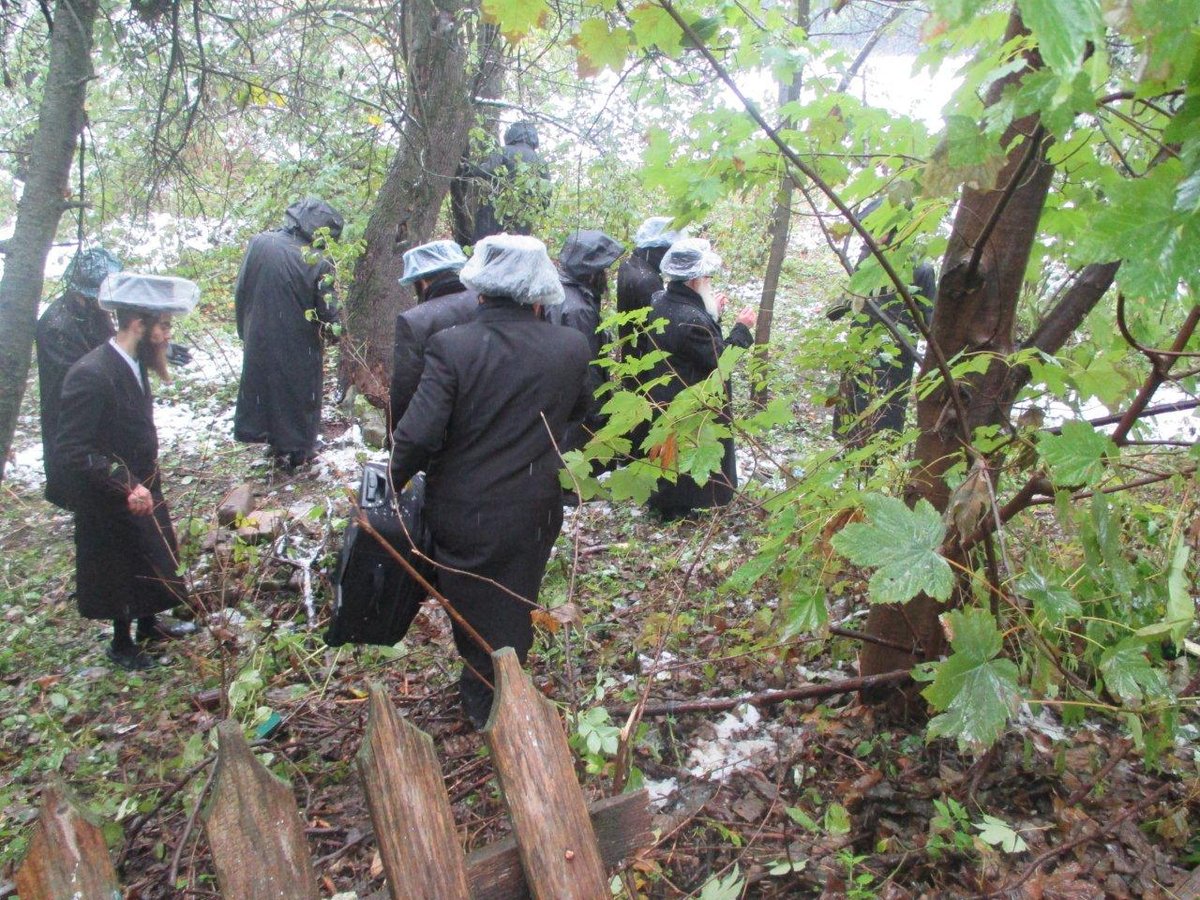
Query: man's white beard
x=710 y=300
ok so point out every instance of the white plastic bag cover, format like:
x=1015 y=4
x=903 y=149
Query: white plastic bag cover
x=689 y=258
x=655 y=232
x=427 y=259
x=514 y=266
x=153 y=293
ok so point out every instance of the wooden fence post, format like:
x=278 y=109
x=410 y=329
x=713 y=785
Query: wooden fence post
x=414 y=825
x=537 y=778
x=254 y=828
x=67 y=856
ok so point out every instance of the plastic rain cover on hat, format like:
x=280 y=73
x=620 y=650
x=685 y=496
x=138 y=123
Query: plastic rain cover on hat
x=514 y=266
x=689 y=258
x=152 y=293
x=655 y=232
x=428 y=259
x=586 y=252
x=88 y=269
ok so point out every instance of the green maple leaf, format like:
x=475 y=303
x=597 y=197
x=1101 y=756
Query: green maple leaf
x=999 y=833
x=1077 y=456
x=515 y=18
x=902 y=544
x=1062 y=29
x=599 y=47
x=1128 y=673
x=654 y=27
x=1053 y=603
x=804 y=612
x=976 y=692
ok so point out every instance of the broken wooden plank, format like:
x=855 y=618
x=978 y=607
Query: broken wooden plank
x=536 y=771
x=622 y=826
x=254 y=828
x=67 y=856
x=414 y=825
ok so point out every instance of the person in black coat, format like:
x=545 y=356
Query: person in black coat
x=519 y=159
x=70 y=327
x=583 y=270
x=874 y=397
x=442 y=302
x=689 y=310
x=283 y=303
x=638 y=278
x=495 y=397
x=126 y=557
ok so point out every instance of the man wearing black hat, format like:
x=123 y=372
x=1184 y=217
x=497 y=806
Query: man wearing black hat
x=70 y=327
x=284 y=300
x=126 y=557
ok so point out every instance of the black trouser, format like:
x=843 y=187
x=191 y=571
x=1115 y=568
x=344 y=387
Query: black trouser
x=508 y=544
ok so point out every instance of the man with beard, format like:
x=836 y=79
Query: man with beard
x=638 y=278
x=70 y=327
x=495 y=396
x=126 y=558
x=442 y=302
x=284 y=302
x=583 y=270
x=691 y=337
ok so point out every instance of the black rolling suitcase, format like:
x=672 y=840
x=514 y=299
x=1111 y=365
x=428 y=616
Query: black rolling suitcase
x=374 y=598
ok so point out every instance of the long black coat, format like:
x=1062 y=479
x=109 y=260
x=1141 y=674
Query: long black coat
x=125 y=565
x=279 y=398
x=498 y=171
x=638 y=280
x=853 y=420
x=694 y=344
x=580 y=310
x=70 y=327
x=445 y=303
x=478 y=426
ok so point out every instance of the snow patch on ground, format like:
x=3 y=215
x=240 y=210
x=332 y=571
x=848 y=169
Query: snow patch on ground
x=716 y=758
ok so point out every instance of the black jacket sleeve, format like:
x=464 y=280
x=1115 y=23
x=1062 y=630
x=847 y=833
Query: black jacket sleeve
x=422 y=431
x=408 y=360
x=86 y=404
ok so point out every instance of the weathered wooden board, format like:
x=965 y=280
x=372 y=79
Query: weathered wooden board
x=67 y=856
x=414 y=825
x=254 y=828
x=622 y=826
x=537 y=778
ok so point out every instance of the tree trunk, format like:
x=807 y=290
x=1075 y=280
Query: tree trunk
x=780 y=227
x=60 y=120
x=438 y=117
x=975 y=313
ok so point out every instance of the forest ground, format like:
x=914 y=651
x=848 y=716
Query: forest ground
x=793 y=799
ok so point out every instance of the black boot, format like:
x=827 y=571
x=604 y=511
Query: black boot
x=124 y=652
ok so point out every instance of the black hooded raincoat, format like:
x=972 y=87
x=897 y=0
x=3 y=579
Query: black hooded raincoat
x=282 y=302
x=70 y=327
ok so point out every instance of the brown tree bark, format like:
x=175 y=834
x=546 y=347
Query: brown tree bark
x=489 y=85
x=982 y=275
x=42 y=203
x=438 y=116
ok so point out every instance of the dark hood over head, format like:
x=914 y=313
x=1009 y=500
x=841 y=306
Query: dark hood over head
x=521 y=133
x=586 y=252
x=307 y=215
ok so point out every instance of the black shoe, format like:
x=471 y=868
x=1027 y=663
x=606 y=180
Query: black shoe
x=130 y=659
x=476 y=699
x=164 y=631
